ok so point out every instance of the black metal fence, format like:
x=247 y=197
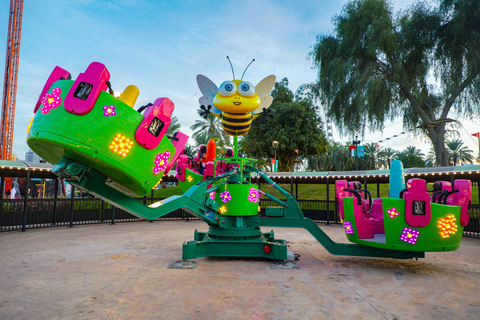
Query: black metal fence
x=42 y=213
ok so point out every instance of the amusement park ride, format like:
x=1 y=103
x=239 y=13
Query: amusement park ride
x=100 y=144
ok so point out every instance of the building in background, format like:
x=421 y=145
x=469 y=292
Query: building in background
x=31 y=156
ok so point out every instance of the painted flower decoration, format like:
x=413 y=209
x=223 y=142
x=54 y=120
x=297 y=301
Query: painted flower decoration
x=161 y=162
x=222 y=209
x=225 y=196
x=51 y=100
x=254 y=195
x=392 y=213
x=348 y=227
x=109 y=110
x=409 y=235
x=189 y=178
x=447 y=226
x=212 y=195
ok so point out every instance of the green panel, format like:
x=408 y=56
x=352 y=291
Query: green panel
x=87 y=138
x=191 y=179
x=429 y=238
x=349 y=217
x=239 y=205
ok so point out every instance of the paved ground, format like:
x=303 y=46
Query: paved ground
x=120 y=272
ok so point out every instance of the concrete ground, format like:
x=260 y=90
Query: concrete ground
x=120 y=272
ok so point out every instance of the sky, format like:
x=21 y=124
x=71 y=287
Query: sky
x=160 y=46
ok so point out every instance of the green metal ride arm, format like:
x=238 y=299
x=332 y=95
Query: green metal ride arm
x=293 y=218
x=193 y=201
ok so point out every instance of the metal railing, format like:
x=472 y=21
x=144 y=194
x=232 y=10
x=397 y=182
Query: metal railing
x=43 y=213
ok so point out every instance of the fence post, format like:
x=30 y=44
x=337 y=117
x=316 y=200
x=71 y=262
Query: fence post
x=72 y=204
x=102 y=214
x=328 y=202
x=113 y=214
x=25 y=202
x=55 y=198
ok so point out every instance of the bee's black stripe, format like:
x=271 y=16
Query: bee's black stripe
x=236 y=114
x=238 y=128
x=236 y=120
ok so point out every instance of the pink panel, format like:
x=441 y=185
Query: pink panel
x=209 y=170
x=364 y=227
x=463 y=198
x=57 y=74
x=340 y=193
x=182 y=164
x=417 y=191
x=155 y=123
x=376 y=217
x=179 y=145
x=84 y=93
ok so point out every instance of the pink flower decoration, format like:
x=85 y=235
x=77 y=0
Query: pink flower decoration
x=212 y=195
x=225 y=196
x=254 y=195
x=51 y=100
x=161 y=162
x=109 y=110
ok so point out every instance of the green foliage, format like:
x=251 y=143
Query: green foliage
x=458 y=153
x=174 y=126
x=296 y=125
x=209 y=128
x=375 y=66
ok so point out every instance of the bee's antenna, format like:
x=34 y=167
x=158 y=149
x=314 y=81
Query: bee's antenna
x=231 y=67
x=246 y=69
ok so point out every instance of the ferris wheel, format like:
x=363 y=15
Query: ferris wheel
x=305 y=91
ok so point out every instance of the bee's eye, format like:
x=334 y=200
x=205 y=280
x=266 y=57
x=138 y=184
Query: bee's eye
x=246 y=89
x=228 y=88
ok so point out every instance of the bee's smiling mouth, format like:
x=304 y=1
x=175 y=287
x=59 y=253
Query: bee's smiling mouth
x=237 y=103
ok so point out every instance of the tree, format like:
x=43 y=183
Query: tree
x=430 y=158
x=375 y=66
x=370 y=160
x=296 y=126
x=414 y=151
x=458 y=153
x=208 y=128
x=410 y=160
x=385 y=157
x=174 y=126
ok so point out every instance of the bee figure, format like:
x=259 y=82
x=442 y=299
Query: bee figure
x=236 y=102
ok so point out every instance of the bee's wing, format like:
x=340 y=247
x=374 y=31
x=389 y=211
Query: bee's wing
x=263 y=89
x=209 y=90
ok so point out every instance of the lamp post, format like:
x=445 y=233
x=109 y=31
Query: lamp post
x=275 y=145
x=356 y=143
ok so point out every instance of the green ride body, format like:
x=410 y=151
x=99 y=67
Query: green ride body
x=86 y=139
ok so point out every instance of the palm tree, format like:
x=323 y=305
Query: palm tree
x=174 y=126
x=457 y=152
x=370 y=159
x=385 y=157
x=430 y=160
x=210 y=126
x=414 y=151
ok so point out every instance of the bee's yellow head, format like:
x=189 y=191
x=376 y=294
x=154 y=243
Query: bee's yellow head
x=236 y=96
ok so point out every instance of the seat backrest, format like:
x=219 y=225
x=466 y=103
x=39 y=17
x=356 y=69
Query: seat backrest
x=417 y=203
x=438 y=188
x=182 y=164
x=340 y=186
x=463 y=198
